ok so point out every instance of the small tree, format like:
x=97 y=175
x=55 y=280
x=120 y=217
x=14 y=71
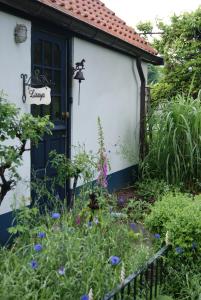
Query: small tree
x=179 y=42
x=15 y=131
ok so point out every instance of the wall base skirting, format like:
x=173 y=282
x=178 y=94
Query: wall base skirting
x=117 y=180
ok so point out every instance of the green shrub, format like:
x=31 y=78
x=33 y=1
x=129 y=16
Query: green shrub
x=179 y=215
x=174 y=142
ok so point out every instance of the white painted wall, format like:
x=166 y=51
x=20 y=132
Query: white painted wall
x=112 y=91
x=14 y=60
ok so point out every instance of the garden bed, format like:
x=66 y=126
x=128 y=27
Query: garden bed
x=63 y=256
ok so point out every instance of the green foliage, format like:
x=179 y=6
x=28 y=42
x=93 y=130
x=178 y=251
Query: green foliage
x=136 y=210
x=183 y=281
x=151 y=190
x=154 y=74
x=145 y=28
x=82 y=249
x=180 y=216
x=174 y=143
x=82 y=165
x=180 y=45
x=15 y=130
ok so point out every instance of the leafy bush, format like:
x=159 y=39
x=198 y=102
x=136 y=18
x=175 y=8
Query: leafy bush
x=174 y=143
x=66 y=255
x=19 y=128
x=180 y=216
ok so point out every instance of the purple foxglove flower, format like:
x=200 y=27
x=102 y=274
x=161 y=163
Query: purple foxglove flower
x=61 y=271
x=56 y=215
x=78 y=220
x=114 y=260
x=38 y=247
x=34 y=264
x=41 y=235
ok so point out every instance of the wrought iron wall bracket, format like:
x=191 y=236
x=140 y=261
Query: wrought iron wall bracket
x=36 y=80
x=24 y=77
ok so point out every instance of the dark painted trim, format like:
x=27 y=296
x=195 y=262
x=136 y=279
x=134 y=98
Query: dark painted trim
x=6 y=221
x=69 y=108
x=35 y=9
x=122 y=178
x=142 y=107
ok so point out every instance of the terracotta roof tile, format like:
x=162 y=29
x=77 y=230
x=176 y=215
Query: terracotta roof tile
x=95 y=13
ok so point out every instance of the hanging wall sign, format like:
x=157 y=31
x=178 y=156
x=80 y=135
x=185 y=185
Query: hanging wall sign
x=38 y=96
x=36 y=89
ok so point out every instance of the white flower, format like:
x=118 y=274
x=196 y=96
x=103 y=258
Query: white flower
x=122 y=276
x=91 y=294
x=167 y=238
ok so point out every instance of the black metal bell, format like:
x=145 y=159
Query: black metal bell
x=79 y=76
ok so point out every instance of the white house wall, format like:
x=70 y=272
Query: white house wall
x=112 y=92
x=14 y=60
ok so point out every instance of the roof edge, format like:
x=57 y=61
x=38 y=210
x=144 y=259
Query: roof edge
x=37 y=9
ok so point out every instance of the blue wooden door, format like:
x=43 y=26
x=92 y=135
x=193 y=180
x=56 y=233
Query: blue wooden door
x=49 y=56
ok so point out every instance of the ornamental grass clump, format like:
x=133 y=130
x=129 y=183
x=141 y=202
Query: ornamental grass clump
x=174 y=141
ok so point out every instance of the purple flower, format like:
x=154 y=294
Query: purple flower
x=114 y=260
x=34 y=264
x=78 y=220
x=84 y=297
x=179 y=250
x=121 y=201
x=55 y=215
x=38 y=247
x=96 y=220
x=61 y=271
x=157 y=236
x=41 y=235
x=90 y=224
x=133 y=226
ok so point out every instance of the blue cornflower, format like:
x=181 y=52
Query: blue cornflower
x=61 y=271
x=38 y=247
x=157 y=235
x=114 y=260
x=41 y=235
x=34 y=264
x=56 y=215
x=179 y=250
x=133 y=226
x=84 y=297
